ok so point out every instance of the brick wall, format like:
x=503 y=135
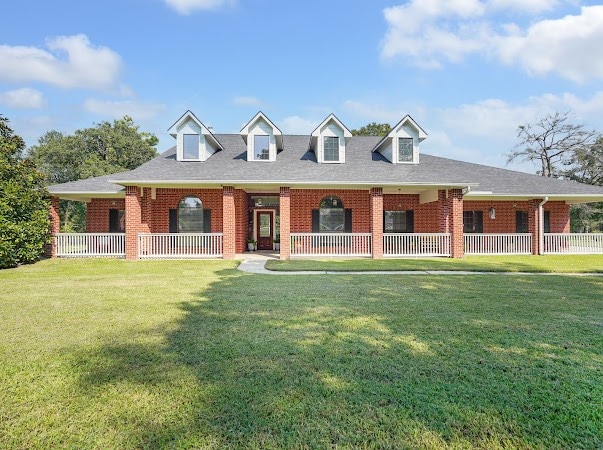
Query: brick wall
x=285 y=212
x=304 y=201
x=505 y=214
x=166 y=199
x=97 y=213
x=50 y=249
x=241 y=219
x=426 y=216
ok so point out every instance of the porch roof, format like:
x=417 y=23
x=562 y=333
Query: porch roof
x=296 y=166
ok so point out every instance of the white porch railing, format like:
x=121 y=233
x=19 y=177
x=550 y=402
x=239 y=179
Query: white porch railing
x=179 y=245
x=331 y=244
x=72 y=245
x=572 y=243
x=498 y=244
x=416 y=244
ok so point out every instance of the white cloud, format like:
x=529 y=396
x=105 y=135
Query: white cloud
x=429 y=33
x=298 y=125
x=117 y=109
x=525 y=6
x=186 y=7
x=567 y=46
x=72 y=62
x=24 y=98
x=247 y=101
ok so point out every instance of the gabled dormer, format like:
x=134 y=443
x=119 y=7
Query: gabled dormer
x=194 y=141
x=329 y=140
x=401 y=145
x=263 y=138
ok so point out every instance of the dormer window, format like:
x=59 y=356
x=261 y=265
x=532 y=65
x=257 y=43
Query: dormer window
x=329 y=140
x=261 y=147
x=194 y=141
x=401 y=145
x=331 y=148
x=405 y=149
x=263 y=138
x=190 y=146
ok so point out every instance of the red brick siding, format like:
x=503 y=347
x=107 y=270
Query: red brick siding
x=241 y=218
x=505 y=214
x=559 y=216
x=166 y=199
x=304 y=201
x=377 y=221
x=428 y=217
x=50 y=250
x=97 y=213
x=285 y=212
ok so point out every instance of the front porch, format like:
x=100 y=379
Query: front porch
x=187 y=223
x=317 y=245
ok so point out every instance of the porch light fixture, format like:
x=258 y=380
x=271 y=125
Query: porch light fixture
x=492 y=213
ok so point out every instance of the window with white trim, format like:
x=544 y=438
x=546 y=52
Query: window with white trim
x=405 y=149
x=190 y=146
x=261 y=147
x=331 y=148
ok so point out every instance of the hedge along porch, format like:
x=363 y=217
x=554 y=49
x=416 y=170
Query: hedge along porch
x=325 y=194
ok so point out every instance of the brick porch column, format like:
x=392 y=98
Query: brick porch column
x=455 y=202
x=55 y=227
x=377 y=221
x=533 y=224
x=229 y=224
x=443 y=218
x=133 y=221
x=285 y=212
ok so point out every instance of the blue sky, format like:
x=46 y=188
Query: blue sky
x=468 y=71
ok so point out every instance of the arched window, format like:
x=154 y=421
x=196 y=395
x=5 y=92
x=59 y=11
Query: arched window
x=331 y=216
x=190 y=215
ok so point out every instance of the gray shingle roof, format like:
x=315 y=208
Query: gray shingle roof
x=296 y=165
x=96 y=185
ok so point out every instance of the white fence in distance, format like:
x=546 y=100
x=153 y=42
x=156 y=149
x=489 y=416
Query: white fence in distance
x=180 y=245
x=89 y=245
x=573 y=243
x=416 y=244
x=498 y=244
x=331 y=244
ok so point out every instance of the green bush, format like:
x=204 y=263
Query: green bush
x=24 y=221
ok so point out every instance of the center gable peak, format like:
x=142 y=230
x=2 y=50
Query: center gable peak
x=263 y=138
x=329 y=140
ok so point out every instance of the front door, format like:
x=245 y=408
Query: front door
x=264 y=230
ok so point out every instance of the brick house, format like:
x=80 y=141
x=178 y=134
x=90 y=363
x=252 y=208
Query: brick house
x=324 y=194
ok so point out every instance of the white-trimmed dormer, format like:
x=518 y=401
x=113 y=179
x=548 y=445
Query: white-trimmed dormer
x=329 y=140
x=194 y=141
x=401 y=145
x=263 y=138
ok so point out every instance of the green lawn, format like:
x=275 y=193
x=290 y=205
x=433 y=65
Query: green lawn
x=185 y=354
x=514 y=263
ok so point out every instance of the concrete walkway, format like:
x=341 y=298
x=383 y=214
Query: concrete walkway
x=256 y=263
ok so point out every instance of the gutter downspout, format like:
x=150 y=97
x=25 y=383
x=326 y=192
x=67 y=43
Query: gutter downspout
x=541 y=225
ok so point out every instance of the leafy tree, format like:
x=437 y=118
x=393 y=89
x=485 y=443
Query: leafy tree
x=551 y=142
x=587 y=167
x=373 y=129
x=100 y=150
x=24 y=221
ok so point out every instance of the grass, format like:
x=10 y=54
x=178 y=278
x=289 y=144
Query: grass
x=513 y=263
x=186 y=354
